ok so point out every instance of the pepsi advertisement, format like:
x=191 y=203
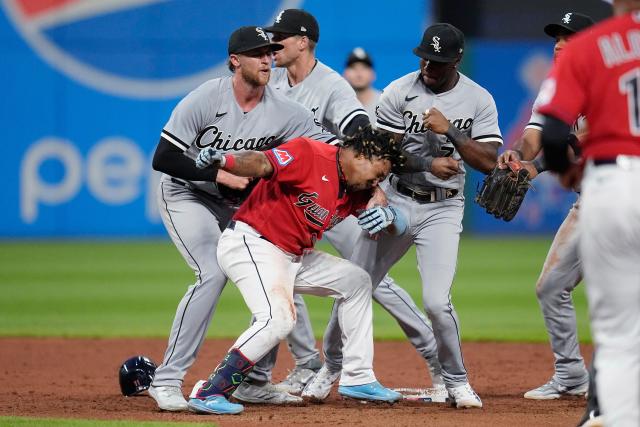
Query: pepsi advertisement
x=89 y=84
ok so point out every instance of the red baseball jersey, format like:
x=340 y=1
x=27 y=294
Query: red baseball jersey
x=598 y=74
x=303 y=197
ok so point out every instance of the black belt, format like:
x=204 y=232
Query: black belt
x=424 y=195
x=207 y=195
x=232 y=226
x=599 y=162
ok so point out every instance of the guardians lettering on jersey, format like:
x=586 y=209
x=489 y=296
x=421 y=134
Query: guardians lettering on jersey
x=213 y=136
x=313 y=212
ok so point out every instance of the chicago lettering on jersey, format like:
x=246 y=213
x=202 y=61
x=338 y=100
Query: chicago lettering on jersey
x=313 y=212
x=416 y=126
x=615 y=51
x=212 y=136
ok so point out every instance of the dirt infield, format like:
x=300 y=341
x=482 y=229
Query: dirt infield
x=72 y=378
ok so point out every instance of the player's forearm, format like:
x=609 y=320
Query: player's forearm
x=171 y=160
x=479 y=155
x=529 y=145
x=248 y=164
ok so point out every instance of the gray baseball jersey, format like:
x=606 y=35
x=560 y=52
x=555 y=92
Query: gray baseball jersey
x=434 y=227
x=325 y=92
x=334 y=104
x=211 y=116
x=468 y=106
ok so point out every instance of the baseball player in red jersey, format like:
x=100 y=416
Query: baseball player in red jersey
x=599 y=75
x=267 y=251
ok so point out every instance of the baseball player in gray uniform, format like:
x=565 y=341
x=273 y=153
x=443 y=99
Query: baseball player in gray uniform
x=444 y=116
x=301 y=77
x=562 y=270
x=230 y=114
x=360 y=74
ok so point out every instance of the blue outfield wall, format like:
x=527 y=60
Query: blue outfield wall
x=88 y=89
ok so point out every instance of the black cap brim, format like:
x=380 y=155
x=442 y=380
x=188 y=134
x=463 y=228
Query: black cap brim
x=430 y=57
x=554 y=30
x=274 y=47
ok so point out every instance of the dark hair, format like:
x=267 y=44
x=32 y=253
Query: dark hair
x=372 y=143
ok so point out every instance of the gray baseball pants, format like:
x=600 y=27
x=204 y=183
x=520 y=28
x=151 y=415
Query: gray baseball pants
x=561 y=273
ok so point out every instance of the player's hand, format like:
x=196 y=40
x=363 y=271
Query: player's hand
x=208 y=156
x=232 y=181
x=377 y=218
x=507 y=156
x=378 y=198
x=529 y=166
x=445 y=167
x=435 y=121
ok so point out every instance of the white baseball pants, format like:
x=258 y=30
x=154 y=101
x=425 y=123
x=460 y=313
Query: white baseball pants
x=609 y=227
x=267 y=278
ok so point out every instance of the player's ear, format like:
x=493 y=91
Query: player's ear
x=234 y=60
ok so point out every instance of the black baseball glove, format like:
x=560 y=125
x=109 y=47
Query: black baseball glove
x=503 y=190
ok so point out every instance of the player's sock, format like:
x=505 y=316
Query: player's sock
x=227 y=376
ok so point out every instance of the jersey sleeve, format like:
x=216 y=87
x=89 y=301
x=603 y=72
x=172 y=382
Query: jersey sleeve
x=291 y=161
x=343 y=106
x=303 y=123
x=189 y=117
x=485 y=126
x=536 y=119
x=389 y=111
x=563 y=92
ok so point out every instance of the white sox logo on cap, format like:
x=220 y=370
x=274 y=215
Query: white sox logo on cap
x=261 y=33
x=436 y=43
x=279 y=17
x=567 y=18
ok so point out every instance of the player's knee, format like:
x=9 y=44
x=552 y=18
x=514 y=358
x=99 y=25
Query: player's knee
x=283 y=323
x=359 y=278
x=436 y=308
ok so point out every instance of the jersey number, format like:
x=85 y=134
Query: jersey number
x=629 y=84
x=446 y=151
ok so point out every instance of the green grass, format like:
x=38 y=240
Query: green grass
x=51 y=422
x=131 y=289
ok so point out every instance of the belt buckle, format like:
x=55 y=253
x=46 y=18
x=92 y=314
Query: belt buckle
x=427 y=197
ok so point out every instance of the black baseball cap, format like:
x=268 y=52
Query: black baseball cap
x=296 y=21
x=441 y=42
x=570 y=23
x=245 y=39
x=359 y=55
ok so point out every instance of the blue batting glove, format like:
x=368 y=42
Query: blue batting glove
x=208 y=156
x=377 y=218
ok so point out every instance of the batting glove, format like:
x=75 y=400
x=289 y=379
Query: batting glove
x=378 y=218
x=208 y=156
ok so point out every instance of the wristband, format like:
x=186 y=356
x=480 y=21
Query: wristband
x=228 y=161
x=455 y=135
x=538 y=163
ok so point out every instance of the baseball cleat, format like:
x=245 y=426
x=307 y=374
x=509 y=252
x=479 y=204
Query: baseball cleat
x=168 y=398
x=463 y=396
x=296 y=380
x=374 y=392
x=265 y=393
x=554 y=390
x=217 y=405
x=319 y=387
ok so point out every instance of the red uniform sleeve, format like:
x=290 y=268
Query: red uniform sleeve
x=290 y=161
x=565 y=90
